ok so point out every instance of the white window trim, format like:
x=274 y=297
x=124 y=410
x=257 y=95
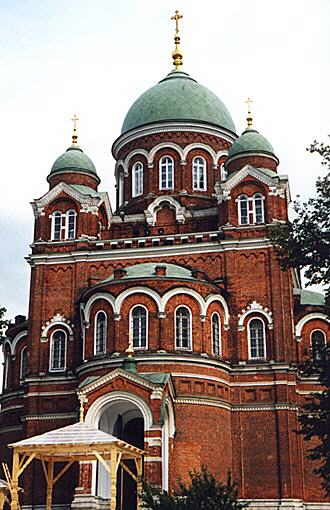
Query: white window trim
x=51 y=369
x=121 y=187
x=137 y=169
x=190 y=347
x=106 y=333
x=138 y=348
x=67 y=224
x=195 y=185
x=251 y=209
x=23 y=352
x=7 y=358
x=160 y=174
x=63 y=228
x=219 y=340
x=264 y=357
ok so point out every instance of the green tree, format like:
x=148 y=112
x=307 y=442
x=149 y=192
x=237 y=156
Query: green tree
x=304 y=243
x=204 y=492
x=3 y=322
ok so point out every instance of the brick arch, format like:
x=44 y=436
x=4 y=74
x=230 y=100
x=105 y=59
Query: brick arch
x=15 y=341
x=311 y=316
x=165 y=145
x=136 y=290
x=206 y=148
x=217 y=297
x=183 y=290
x=100 y=295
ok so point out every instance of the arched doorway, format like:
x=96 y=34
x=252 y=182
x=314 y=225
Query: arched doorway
x=124 y=420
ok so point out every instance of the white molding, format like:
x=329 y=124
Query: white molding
x=255 y=307
x=190 y=340
x=136 y=290
x=218 y=297
x=95 y=297
x=311 y=316
x=183 y=290
x=155 y=206
x=15 y=341
x=165 y=145
x=57 y=320
x=264 y=357
x=99 y=405
x=207 y=148
x=130 y=331
x=166 y=127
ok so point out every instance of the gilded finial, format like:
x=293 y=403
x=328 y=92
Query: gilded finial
x=83 y=400
x=177 y=54
x=74 y=134
x=249 y=117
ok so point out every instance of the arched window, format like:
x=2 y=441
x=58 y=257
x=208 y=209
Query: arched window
x=24 y=363
x=56 y=226
x=100 y=333
x=258 y=208
x=70 y=231
x=182 y=328
x=63 y=225
x=137 y=179
x=139 y=327
x=166 y=173
x=6 y=370
x=318 y=343
x=199 y=174
x=243 y=210
x=251 y=209
x=216 y=334
x=257 y=339
x=120 y=189
x=58 y=351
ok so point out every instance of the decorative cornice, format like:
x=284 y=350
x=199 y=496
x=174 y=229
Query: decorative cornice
x=253 y=307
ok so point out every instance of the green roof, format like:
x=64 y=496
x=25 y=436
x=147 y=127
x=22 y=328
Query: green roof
x=250 y=141
x=86 y=190
x=74 y=160
x=149 y=270
x=309 y=297
x=178 y=97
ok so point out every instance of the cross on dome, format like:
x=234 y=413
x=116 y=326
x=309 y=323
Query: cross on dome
x=249 y=117
x=177 y=54
x=75 y=120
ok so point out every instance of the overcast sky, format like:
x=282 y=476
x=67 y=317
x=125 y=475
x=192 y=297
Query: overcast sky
x=94 y=57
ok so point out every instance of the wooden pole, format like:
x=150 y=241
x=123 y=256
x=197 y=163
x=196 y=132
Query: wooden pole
x=50 y=483
x=113 y=479
x=139 y=472
x=14 y=482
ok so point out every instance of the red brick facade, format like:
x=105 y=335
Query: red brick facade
x=229 y=397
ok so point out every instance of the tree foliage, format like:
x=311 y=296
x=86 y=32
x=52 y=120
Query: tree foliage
x=304 y=242
x=3 y=322
x=204 y=492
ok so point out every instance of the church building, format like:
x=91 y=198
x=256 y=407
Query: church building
x=169 y=312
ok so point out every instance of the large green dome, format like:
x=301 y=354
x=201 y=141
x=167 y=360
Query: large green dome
x=74 y=160
x=178 y=97
x=250 y=141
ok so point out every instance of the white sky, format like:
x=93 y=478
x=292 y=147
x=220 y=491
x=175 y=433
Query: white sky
x=94 y=57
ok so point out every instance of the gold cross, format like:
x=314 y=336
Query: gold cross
x=249 y=101
x=83 y=400
x=75 y=122
x=176 y=18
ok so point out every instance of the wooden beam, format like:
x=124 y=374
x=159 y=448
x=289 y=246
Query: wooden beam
x=14 y=482
x=63 y=470
x=101 y=459
x=113 y=480
x=128 y=471
x=24 y=465
x=50 y=484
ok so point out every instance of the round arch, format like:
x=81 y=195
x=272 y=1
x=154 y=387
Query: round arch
x=57 y=324
x=182 y=290
x=136 y=290
x=311 y=316
x=203 y=146
x=164 y=145
x=16 y=339
x=96 y=410
x=99 y=295
x=129 y=156
x=217 y=297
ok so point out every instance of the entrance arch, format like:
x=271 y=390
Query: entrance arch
x=125 y=416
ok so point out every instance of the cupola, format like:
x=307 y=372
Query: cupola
x=251 y=148
x=74 y=166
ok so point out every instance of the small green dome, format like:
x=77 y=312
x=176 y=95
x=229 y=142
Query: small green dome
x=250 y=141
x=74 y=160
x=178 y=97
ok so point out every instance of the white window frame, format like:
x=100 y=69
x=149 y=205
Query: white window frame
x=137 y=179
x=7 y=358
x=181 y=348
x=64 y=225
x=196 y=174
x=70 y=212
x=121 y=188
x=212 y=334
x=264 y=357
x=131 y=330
x=251 y=209
x=105 y=333
x=51 y=356
x=311 y=338
x=23 y=353
x=161 y=164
